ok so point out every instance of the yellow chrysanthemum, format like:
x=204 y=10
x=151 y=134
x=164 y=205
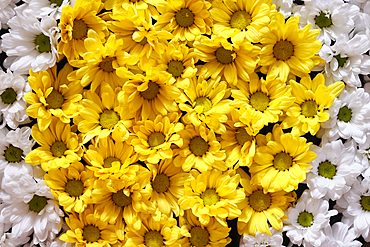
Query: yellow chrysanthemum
x=120 y=7
x=206 y=103
x=71 y=186
x=212 y=194
x=312 y=98
x=74 y=25
x=53 y=95
x=230 y=60
x=59 y=146
x=287 y=49
x=281 y=161
x=187 y=20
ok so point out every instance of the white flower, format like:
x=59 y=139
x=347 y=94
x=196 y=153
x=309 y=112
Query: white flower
x=6 y=11
x=262 y=240
x=284 y=7
x=339 y=235
x=43 y=8
x=307 y=220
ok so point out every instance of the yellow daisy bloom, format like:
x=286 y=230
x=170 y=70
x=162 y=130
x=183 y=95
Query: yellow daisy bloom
x=230 y=60
x=311 y=100
x=185 y=19
x=71 y=186
x=287 y=49
x=120 y=7
x=75 y=23
x=59 y=146
x=212 y=194
x=53 y=95
x=281 y=161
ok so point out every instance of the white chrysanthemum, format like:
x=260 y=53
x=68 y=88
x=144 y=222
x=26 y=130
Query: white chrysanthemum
x=338 y=235
x=6 y=11
x=33 y=43
x=6 y=238
x=363 y=155
x=284 y=6
x=51 y=8
x=307 y=220
x=262 y=240
x=334 y=170
x=349 y=116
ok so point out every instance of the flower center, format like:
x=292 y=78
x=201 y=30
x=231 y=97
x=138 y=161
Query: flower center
x=108 y=162
x=155 y=139
x=259 y=101
x=13 y=154
x=58 y=148
x=120 y=199
x=345 y=114
x=282 y=161
x=74 y=187
x=79 y=29
x=240 y=20
x=205 y=103
x=341 y=60
x=225 y=56
x=91 y=233
x=108 y=119
x=199 y=236
x=151 y=92
x=153 y=239
x=184 y=18
x=198 y=146
x=365 y=203
x=37 y=203
x=106 y=64
x=57 y=2
x=161 y=183
x=259 y=201
x=9 y=96
x=242 y=136
x=309 y=108
x=175 y=68
x=305 y=219
x=323 y=20
x=327 y=169
x=43 y=43
x=54 y=100
x=210 y=197
x=283 y=50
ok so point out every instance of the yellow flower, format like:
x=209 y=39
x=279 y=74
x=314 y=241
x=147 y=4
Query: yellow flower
x=121 y=7
x=312 y=99
x=59 y=146
x=53 y=95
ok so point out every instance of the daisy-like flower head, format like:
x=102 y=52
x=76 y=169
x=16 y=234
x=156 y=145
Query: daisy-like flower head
x=230 y=60
x=7 y=11
x=284 y=7
x=53 y=95
x=312 y=98
x=206 y=103
x=185 y=19
x=121 y=7
x=341 y=235
x=212 y=194
x=262 y=240
x=281 y=161
x=52 y=8
x=59 y=146
x=287 y=49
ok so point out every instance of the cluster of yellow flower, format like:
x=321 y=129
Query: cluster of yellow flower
x=143 y=143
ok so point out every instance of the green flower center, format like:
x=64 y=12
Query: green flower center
x=43 y=43
x=37 y=203
x=327 y=169
x=199 y=236
x=365 y=203
x=198 y=146
x=54 y=100
x=210 y=197
x=161 y=183
x=106 y=64
x=151 y=92
x=204 y=102
x=108 y=119
x=13 y=154
x=108 y=162
x=323 y=20
x=309 y=108
x=175 y=68
x=156 y=138
x=58 y=148
x=9 y=96
x=259 y=201
x=341 y=60
x=345 y=114
x=305 y=219
x=75 y=187
x=242 y=136
x=259 y=101
x=225 y=56
x=283 y=50
x=184 y=18
x=79 y=29
x=91 y=233
x=57 y=2
x=120 y=199
x=240 y=20
x=153 y=239
x=282 y=161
